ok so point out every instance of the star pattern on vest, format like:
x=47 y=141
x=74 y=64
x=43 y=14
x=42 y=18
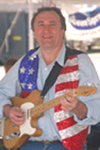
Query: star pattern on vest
x=32 y=57
x=30 y=85
x=28 y=72
x=31 y=71
x=23 y=85
x=22 y=70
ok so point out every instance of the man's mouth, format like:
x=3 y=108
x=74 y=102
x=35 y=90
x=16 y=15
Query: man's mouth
x=47 y=37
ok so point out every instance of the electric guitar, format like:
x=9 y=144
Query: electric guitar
x=33 y=107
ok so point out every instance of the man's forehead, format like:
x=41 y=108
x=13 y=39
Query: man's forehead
x=47 y=14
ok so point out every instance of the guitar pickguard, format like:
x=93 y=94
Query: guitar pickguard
x=26 y=127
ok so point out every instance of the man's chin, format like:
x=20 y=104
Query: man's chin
x=47 y=47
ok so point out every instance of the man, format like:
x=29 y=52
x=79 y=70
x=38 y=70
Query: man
x=64 y=126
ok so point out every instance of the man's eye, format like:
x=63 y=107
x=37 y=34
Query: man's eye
x=53 y=24
x=40 y=25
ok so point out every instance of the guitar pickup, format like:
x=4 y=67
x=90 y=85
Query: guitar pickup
x=13 y=135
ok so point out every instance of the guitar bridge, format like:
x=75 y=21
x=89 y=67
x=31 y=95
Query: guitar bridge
x=13 y=135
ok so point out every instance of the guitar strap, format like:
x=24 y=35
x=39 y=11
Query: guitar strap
x=56 y=71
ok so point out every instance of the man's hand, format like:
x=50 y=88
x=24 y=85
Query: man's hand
x=15 y=114
x=70 y=103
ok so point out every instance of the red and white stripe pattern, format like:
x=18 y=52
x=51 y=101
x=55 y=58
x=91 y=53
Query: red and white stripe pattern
x=73 y=135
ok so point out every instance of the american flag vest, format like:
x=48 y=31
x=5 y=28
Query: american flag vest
x=72 y=134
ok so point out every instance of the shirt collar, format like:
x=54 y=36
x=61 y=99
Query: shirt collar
x=61 y=56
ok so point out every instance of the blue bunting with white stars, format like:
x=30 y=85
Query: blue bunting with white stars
x=28 y=71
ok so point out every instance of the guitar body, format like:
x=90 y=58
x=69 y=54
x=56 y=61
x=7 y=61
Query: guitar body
x=33 y=107
x=15 y=136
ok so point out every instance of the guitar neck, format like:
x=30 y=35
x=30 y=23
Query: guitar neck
x=37 y=110
x=80 y=91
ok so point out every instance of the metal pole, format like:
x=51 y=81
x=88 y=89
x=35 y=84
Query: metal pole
x=30 y=33
x=8 y=33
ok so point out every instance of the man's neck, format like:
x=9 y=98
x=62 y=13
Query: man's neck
x=50 y=55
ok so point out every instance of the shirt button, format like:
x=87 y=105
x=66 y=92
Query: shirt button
x=45 y=68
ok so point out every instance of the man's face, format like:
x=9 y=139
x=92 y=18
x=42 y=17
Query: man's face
x=48 y=31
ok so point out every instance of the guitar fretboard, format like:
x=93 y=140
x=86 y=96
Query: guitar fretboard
x=80 y=91
x=37 y=110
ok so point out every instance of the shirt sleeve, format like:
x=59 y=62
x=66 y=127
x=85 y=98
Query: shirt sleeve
x=89 y=76
x=9 y=87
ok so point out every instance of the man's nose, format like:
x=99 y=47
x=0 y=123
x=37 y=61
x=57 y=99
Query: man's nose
x=46 y=28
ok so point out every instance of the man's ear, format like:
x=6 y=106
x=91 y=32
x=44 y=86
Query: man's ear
x=63 y=33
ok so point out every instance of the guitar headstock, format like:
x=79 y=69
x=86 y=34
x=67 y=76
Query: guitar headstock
x=85 y=90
